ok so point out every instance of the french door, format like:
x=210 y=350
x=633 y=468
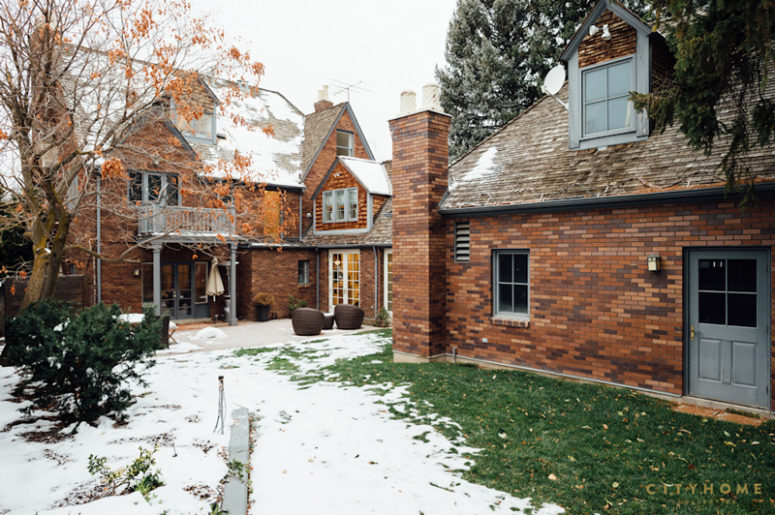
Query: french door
x=344 y=277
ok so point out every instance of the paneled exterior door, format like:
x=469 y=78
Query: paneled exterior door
x=729 y=325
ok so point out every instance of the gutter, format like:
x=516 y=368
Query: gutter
x=642 y=199
x=317 y=279
x=99 y=238
x=376 y=281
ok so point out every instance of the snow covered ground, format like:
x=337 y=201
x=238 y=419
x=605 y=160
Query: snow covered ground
x=318 y=448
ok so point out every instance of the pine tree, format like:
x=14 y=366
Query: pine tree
x=497 y=53
x=725 y=51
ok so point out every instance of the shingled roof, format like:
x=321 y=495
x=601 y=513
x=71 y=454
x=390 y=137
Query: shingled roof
x=380 y=235
x=317 y=127
x=528 y=162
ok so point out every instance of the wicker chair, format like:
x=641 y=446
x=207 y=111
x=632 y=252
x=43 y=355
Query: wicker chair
x=307 y=321
x=348 y=316
x=328 y=322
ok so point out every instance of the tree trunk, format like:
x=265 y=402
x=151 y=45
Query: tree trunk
x=40 y=265
x=57 y=248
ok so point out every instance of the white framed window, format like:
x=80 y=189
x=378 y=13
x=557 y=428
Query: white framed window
x=344 y=143
x=511 y=283
x=202 y=128
x=389 y=280
x=605 y=104
x=156 y=188
x=344 y=277
x=340 y=205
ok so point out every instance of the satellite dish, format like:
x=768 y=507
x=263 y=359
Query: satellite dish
x=554 y=80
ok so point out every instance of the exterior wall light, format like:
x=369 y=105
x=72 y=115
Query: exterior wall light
x=655 y=263
x=136 y=272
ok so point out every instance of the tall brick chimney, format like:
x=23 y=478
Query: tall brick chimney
x=419 y=177
x=323 y=102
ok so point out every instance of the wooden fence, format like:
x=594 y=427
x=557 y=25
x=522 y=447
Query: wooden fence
x=69 y=288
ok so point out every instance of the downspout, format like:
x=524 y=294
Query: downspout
x=300 y=220
x=317 y=279
x=99 y=238
x=376 y=281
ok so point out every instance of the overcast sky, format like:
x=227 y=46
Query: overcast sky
x=386 y=45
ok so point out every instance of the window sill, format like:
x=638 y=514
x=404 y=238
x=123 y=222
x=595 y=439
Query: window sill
x=510 y=322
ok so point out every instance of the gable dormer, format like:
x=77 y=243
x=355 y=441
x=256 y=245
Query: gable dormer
x=349 y=196
x=610 y=56
x=200 y=101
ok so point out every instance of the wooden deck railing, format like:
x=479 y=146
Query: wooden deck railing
x=157 y=219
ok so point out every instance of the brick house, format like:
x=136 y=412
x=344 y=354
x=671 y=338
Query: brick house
x=180 y=233
x=581 y=243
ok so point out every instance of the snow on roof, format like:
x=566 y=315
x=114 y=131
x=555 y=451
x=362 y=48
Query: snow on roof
x=370 y=174
x=485 y=166
x=275 y=159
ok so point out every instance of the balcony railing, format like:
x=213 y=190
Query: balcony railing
x=172 y=220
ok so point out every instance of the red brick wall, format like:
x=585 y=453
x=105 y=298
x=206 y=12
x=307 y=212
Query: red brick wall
x=419 y=179
x=275 y=272
x=326 y=158
x=595 y=311
x=342 y=178
x=595 y=49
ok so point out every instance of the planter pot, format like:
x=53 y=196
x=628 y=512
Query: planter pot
x=263 y=313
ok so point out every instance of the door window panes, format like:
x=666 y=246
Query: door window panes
x=727 y=292
x=200 y=282
x=742 y=275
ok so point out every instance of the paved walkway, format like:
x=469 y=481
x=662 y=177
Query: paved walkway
x=245 y=334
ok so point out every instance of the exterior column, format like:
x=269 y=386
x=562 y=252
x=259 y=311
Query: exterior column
x=157 y=278
x=420 y=252
x=233 y=285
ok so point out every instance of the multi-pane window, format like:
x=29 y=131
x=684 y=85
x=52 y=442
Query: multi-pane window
x=511 y=282
x=606 y=92
x=202 y=128
x=159 y=188
x=727 y=292
x=340 y=205
x=304 y=271
x=344 y=143
x=344 y=277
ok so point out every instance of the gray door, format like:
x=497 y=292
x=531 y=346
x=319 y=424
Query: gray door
x=729 y=317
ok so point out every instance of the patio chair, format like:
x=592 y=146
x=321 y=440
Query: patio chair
x=328 y=322
x=307 y=321
x=348 y=316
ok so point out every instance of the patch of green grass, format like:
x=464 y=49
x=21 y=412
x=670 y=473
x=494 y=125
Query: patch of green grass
x=586 y=447
x=282 y=365
x=382 y=333
x=254 y=351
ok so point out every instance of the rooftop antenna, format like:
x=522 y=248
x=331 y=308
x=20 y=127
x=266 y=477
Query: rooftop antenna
x=357 y=86
x=553 y=83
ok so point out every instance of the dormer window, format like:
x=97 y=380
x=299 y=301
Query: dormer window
x=344 y=143
x=606 y=91
x=198 y=129
x=604 y=67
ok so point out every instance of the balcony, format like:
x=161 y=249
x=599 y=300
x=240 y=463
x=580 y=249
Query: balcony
x=176 y=221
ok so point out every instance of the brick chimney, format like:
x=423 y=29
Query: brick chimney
x=323 y=102
x=419 y=177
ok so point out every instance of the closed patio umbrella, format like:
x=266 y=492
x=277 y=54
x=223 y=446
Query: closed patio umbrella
x=214 y=282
